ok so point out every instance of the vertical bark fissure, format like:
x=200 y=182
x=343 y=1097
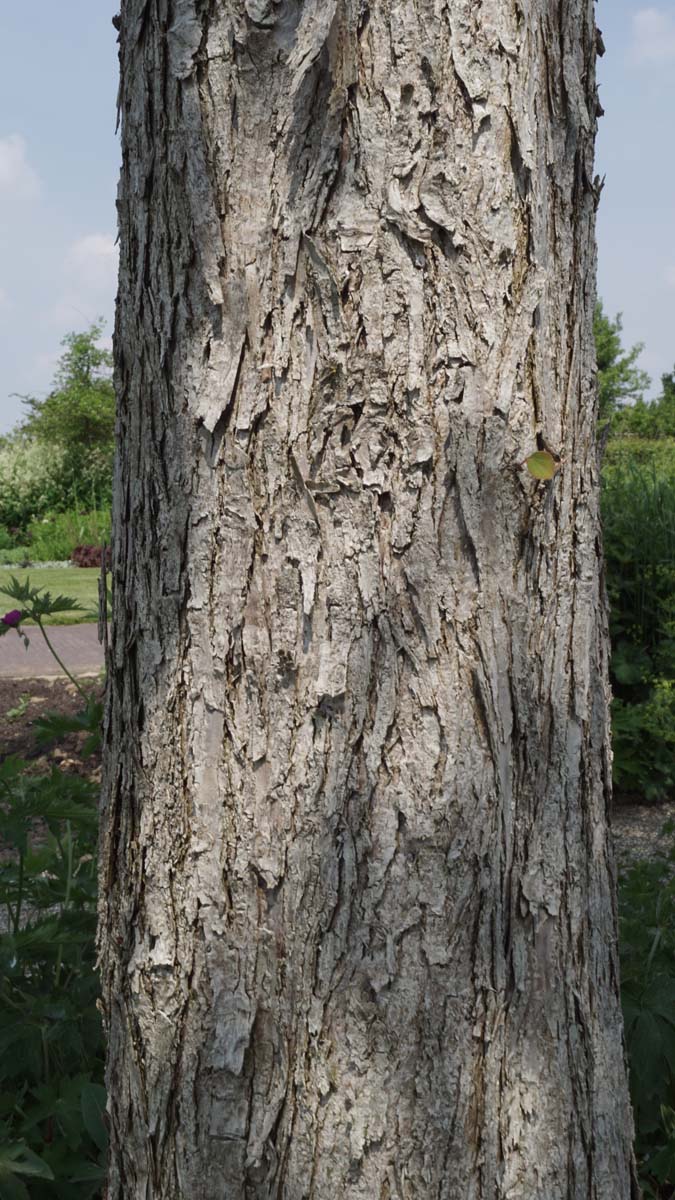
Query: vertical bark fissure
x=357 y=923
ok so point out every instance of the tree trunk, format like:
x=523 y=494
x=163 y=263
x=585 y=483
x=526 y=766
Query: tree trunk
x=358 y=926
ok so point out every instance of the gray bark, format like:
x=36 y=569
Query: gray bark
x=358 y=928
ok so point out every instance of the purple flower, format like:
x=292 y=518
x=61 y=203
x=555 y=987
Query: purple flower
x=12 y=618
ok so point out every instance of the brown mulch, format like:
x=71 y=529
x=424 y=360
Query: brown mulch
x=22 y=701
x=638 y=831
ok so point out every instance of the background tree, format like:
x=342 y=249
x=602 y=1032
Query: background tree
x=80 y=410
x=358 y=928
x=60 y=457
x=620 y=381
x=649 y=420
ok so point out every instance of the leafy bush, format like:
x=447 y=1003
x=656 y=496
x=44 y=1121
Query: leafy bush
x=638 y=503
x=619 y=379
x=30 y=481
x=80 y=410
x=18 y=557
x=647 y=944
x=55 y=536
x=653 y=420
x=51 y=1041
x=90 y=556
x=36 y=479
x=644 y=743
x=658 y=454
x=61 y=457
x=52 y=1127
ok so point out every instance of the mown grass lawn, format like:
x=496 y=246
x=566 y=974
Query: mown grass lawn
x=78 y=583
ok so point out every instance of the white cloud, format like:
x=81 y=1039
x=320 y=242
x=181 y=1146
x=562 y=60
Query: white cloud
x=653 y=35
x=17 y=176
x=89 y=265
x=94 y=258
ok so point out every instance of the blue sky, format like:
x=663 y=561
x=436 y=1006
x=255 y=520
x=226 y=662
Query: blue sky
x=59 y=162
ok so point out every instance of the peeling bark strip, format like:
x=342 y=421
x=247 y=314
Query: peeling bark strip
x=358 y=932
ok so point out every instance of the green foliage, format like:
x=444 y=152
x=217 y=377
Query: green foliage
x=80 y=411
x=638 y=508
x=55 y=535
x=644 y=742
x=17 y=1160
x=39 y=606
x=51 y=1044
x=20 y=556
x=61 y=457
x=81 y=584
x=620 y=381
x=652 y=421
x=13 y=714
x=34 y=478
x=647 y=944
x=55 y=725
x=627 y=452
x=638 y=505
x=36 y=602
x=52 y=1105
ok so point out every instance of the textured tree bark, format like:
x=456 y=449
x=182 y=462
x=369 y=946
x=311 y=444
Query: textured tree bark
x=358 y=929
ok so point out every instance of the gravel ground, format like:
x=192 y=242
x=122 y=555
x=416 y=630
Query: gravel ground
x=638 y=831
x=33 y=566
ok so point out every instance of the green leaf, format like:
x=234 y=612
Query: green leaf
x=93 y=1101
x=662 y=1164
x=542 y=464
x=630 y=664
x=12 y=1188
x=38 y=602
x=88 y=1172
x=646 y=1047
x=54 y=725
x=17 y=1159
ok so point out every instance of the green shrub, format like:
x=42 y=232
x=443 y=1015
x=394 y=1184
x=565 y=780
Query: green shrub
x=644 y=743
x=647 y=946
x=635 y=452
x=30 y=482
x=52 y=1099
x=649 y=420
x=16 y=557
x=54 y=537
x=638 y=504
x=80 y=409
x=61 y=457
x=620 y=381
x=51 y=1040
x=36 y=478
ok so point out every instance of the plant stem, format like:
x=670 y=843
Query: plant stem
x=66 y=901
x=61 y=664
x=17 y=913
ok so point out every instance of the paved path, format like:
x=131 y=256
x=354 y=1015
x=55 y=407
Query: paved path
x=76 y=645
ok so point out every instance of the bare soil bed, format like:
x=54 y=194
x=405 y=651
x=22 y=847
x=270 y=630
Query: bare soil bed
x=22 y=701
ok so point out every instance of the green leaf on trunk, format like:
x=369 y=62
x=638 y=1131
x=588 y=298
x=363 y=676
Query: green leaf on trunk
x=542 y=464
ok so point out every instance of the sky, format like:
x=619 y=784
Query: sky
x=59 y=162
